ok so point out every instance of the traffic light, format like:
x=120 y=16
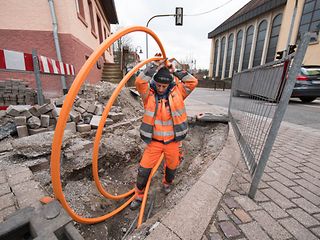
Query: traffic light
x=179 y=16
x=279 y=55
x=292 y=49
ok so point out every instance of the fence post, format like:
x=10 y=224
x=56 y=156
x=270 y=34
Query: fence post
x=37 y=76
x=293 y=72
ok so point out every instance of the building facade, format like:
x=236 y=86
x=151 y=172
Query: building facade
x=254 y=34
x=82 y=26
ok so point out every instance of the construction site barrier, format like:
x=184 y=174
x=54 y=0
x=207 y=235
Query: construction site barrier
x=13 y=60
x=26 y=69
x=61 y=124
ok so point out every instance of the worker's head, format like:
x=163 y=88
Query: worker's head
x=162 y=79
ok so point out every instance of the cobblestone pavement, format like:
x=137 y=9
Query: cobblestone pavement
x=287 y=203
x=18 y=190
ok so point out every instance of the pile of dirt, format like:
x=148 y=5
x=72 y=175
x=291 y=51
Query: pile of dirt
x=120 y=151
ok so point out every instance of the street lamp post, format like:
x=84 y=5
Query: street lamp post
x=161 y=15
x=136 y=50
x=291 y=27
x=179 y=19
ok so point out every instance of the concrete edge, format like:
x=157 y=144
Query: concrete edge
x=191 y=216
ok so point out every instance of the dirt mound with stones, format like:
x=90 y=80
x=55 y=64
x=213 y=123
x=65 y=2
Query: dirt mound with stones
x=120 y=151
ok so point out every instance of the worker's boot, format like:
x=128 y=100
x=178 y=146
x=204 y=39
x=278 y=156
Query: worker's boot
x=166 y=188
x=167 y=180
x=135 y=204
x=142 y=178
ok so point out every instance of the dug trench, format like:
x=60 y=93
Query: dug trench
x=120 y=151
x=118 y=173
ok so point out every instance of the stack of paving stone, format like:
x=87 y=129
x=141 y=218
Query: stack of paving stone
x=83 y=116
x=16 y=92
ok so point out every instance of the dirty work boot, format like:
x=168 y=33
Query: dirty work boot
x=166 y=188
x=135 y=204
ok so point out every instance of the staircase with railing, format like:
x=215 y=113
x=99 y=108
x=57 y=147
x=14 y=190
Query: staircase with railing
x=111 y=72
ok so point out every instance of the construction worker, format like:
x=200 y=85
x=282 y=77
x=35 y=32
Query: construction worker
x=164 y=122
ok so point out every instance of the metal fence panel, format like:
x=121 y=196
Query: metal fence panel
x=258 y=100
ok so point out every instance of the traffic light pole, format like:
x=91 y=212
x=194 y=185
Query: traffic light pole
x=161 y=15
x=291 y=28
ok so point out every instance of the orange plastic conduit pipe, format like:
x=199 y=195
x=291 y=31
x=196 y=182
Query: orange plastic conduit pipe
x=66 y=108
x=103 y=119
x=146 y=191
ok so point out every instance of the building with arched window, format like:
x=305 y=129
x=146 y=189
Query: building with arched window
x=254 y=34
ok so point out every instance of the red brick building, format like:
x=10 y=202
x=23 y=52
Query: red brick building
x=82 y=26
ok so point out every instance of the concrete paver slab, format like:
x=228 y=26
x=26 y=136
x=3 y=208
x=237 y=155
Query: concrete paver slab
x=253 y=231
x=6 y=201
x=306 y=205
x=304 y=218
x=270 y=225
x=297 y=230
x=247 y=203
x=278 y=198
x=274 y=210
x=307 y=194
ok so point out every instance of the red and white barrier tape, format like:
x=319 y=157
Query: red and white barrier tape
x=12 y=60
x=48 y=65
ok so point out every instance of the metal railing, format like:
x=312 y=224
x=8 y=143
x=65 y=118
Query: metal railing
x=258 y=100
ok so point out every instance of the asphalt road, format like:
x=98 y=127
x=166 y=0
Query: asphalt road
x=305 y=114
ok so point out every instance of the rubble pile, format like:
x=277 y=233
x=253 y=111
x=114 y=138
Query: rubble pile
x=16 y=92
x=85 y=114
x=120 y=150
x=34 y=125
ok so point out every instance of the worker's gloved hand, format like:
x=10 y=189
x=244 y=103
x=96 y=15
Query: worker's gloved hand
x=180 y=74
x=151 y=69
x=154 y=66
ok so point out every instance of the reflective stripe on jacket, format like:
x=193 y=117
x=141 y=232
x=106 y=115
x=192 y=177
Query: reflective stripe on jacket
x=165 y=120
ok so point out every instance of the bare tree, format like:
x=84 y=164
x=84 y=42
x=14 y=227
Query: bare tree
x=123 y=42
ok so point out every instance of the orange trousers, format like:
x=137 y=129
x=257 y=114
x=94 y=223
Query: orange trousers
x=153 y=151
x=151 y=155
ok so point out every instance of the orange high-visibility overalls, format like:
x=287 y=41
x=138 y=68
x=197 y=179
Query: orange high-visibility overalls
x=164 y=125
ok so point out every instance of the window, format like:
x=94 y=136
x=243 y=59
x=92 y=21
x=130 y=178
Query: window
x=273 y=41
x=237 y=51
x=80 y=11
x=310 y=19
x=93 y=28
x=99 y=29
x=223 y=44
x=106 y=36
x=215 y=63
x=262 y=30
x=229 y=52
x=247 y=47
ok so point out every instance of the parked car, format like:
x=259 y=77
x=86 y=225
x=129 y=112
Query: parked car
x=307 y=86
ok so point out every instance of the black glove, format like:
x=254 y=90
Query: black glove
x=150 y=70
x=180 y=74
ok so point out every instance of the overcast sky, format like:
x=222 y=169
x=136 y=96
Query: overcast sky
x=189 y=41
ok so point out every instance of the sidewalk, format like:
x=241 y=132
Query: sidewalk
x=286 y=206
